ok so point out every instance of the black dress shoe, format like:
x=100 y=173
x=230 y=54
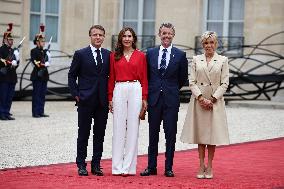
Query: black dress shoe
x=10 y=117
x=44 y=115
x=96 y=170
x=169 y=173
x=3 y=118
x=36 y=116
x=82 y=171
x=149 y=171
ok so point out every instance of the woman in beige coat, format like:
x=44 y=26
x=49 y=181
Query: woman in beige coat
x=206 y=121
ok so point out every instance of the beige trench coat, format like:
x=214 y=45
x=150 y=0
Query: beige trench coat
x=207 y=126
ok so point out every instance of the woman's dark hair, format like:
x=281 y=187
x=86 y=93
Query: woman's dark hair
x=119 y=46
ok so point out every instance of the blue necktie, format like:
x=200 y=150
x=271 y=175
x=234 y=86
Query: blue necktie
x=163 y=64
x=99 y=59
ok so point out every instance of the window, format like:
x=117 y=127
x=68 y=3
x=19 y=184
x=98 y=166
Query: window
x=140 y=15
x=226 y=17
x=46 y=12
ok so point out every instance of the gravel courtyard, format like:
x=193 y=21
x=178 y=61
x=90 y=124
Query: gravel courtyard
x=28 y=141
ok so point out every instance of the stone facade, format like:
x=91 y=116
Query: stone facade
x=261 y=19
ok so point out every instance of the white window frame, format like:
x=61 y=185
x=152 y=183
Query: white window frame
x=43 y=14
x=139 y=20
x=226 y=19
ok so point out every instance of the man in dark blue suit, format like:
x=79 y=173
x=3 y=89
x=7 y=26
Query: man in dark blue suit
x=167 y=73
x=90 y=66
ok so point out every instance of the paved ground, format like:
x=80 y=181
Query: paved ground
x=28 y=141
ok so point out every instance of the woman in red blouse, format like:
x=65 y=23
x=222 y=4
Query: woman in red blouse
x=127 y=94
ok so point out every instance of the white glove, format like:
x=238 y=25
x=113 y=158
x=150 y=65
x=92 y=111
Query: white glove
x=48 y=56
x=17 y=54
x=14 y=63
x=46 y=64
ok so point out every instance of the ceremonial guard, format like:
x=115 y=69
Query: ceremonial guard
x=40 y=58
x=9 y=62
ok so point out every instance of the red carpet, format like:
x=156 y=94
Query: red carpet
x=248 y=165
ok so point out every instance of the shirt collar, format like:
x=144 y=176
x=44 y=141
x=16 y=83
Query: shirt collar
x=94 y=48
x=169 y=49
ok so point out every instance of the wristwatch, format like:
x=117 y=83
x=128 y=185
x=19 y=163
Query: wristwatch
x=213 y=99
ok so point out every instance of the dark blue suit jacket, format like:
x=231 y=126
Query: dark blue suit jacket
x=174 y=78
x=90 y=82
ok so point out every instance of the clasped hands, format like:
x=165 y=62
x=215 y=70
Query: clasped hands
x=206 y=104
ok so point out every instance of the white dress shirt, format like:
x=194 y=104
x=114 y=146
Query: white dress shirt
x=95 y=53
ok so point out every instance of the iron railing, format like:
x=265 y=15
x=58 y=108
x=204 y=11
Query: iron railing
x=257 y=72
x=231 y=46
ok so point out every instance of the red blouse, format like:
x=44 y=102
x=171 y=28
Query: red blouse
x=122 y=70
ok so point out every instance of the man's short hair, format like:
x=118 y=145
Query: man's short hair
x=167 y=25
x=99 y=27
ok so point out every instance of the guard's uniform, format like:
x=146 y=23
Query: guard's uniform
x=9 y=62
x=39 y=76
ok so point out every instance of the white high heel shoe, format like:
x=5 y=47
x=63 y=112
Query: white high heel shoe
x=208 y=174
x=201 y=173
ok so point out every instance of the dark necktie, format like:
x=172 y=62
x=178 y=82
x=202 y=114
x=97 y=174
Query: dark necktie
x=99 y=59
x=163 y=64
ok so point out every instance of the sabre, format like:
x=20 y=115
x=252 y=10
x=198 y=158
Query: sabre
x=21 y=43
x=11 y=55
x=48 y=47
x=49 y=43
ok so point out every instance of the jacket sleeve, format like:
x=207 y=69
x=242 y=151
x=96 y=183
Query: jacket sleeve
x=73 y=74
x=144 y=79
x=111 y=80
x=224 y=80
x=192 y=79
x=33 y=57
x=183 y=72
x=2 y=60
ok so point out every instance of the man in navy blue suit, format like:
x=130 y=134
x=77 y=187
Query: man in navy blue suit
x=90 y=66
x=167 y=73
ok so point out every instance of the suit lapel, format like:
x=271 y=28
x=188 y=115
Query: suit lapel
x=213 y=62
x=156 y=56
x=91 y=61
x=104 y=60
x=204 y=66
x=90 y=56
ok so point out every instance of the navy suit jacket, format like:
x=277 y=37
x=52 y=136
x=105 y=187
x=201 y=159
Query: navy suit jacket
x=91 y=82
x=170 y=83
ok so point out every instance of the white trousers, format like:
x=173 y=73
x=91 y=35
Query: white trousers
x=127 y=103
